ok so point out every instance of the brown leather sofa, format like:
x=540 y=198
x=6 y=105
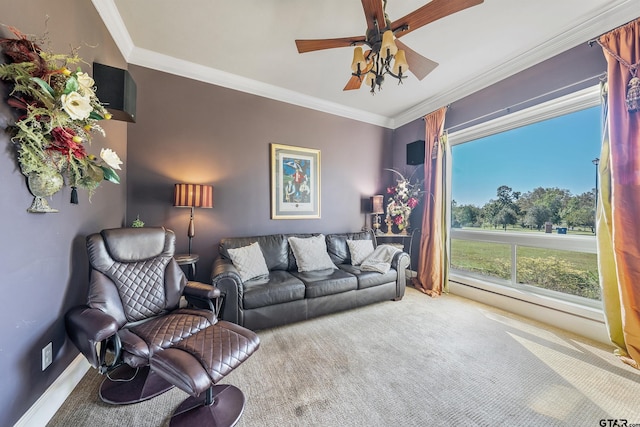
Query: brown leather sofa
x=286 y=295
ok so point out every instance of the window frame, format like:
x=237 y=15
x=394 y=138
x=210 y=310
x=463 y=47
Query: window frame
x=591 y=309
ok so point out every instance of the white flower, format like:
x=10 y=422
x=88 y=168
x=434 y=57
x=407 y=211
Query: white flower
x=86 y=83
x=111 y=158
x=78 y=107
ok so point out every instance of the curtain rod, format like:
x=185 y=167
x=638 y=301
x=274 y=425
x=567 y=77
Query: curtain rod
x=425 y=116
x=599 y=76
x=595 y=40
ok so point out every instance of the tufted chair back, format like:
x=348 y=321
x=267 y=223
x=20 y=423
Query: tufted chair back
x=133 y=274
x=134 y=329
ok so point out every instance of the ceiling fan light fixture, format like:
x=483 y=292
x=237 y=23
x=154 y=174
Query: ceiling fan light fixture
x=388 y=47
x=358 y=64
x=400 y=65
x=370 y=79
x=383 y=42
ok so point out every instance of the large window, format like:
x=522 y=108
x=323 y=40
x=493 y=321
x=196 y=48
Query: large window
x=523 y=199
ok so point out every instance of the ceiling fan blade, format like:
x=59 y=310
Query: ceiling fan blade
x=418 y=64
x=353 y=83
x=431 y=12
x=373 y=11
x=320 y=44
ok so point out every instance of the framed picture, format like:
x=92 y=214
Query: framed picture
x=295 y=182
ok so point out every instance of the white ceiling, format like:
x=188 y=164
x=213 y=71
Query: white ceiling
x=248 y=45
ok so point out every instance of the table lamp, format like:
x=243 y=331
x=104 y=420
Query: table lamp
x=192 y=196
x=377 y=208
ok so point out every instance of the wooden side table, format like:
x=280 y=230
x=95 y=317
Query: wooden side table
x=190 y=261
x=401 y=241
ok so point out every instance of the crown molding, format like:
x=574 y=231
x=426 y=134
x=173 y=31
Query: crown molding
x=171 y=65
x=614 y=14
x=115 y=25
x=134 y=55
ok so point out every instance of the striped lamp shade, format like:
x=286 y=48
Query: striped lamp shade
x=193 y=195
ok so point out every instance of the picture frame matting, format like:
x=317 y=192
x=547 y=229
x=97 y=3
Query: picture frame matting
x=295 y=182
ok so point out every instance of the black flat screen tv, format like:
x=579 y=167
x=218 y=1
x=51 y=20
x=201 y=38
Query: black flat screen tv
x=415 y=153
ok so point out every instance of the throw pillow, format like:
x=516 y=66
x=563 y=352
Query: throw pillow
x=249 y=261
x=311 y=253
x=359 y=250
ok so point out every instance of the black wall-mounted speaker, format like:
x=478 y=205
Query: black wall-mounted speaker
x=117 y=90
x=415 y=153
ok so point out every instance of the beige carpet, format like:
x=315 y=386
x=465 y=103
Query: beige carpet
x=416 y=362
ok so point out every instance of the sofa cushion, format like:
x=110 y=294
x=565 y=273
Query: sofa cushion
x=326 y=282
x=359 y=250
x=311 y=253
x=369 y=279
x=249 y=261
x=337 y=245
x=274 y=248
x=279 y=287
x=292 y=258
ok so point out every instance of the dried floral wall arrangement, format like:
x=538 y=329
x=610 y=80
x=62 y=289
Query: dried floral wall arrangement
x=58 y=113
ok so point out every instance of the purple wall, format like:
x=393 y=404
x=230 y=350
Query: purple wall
x=189 y=131
x=570 y=71
x=573 y=70
x=43 y=259
x=402 y=136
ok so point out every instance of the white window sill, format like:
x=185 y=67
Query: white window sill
x=591 y=313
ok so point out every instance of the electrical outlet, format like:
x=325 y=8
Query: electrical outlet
x=47 y=356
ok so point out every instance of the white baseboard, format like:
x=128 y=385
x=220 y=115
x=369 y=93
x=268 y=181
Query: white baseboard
x=48 y=404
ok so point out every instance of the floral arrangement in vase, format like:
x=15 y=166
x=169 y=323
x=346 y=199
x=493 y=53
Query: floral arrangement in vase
x=58 y=112
x=402 y=199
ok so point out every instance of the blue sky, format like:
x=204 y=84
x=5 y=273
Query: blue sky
x=554 y=153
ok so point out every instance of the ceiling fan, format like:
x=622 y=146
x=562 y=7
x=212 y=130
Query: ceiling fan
x=382 y=40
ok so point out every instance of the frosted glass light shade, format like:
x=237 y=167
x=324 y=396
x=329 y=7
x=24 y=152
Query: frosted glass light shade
x=388 y=45
x=358 y=59
x=400 y=63
x=370 y=79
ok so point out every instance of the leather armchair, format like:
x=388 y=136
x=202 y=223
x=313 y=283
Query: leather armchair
x=137 y=329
